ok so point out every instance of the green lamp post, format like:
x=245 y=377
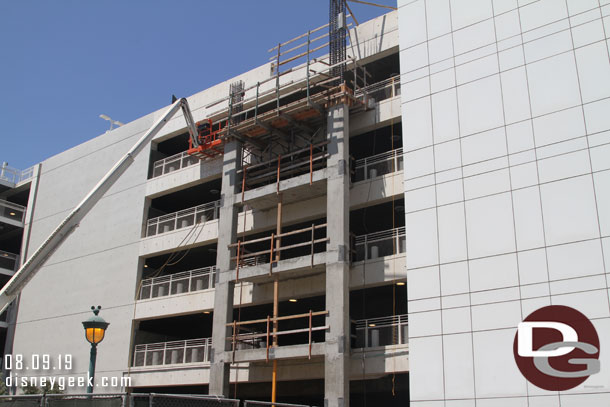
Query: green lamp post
x=95 y=328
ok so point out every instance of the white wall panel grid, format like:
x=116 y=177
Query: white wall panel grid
x=515 y=139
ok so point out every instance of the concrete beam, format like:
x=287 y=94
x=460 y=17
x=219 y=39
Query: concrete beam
x=300 y=266
x=281 y=352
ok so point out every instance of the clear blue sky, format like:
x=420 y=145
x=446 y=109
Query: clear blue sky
x=64 y=62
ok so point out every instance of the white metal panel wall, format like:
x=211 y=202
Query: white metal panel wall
x=507 y=188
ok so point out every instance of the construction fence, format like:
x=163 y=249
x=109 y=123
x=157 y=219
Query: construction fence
x=130 y=400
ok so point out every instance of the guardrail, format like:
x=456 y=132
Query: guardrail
x=15 y=176
x=9 y=261
x=261 y=332
x=182 y=219
x=12 y=211
x=380 y=244
x=173 y=352
x=377 y=165
x=246 y=258
x=173 y=163
x=299 y=162
x=383 y=331
x=179 y=283
x=388 y=88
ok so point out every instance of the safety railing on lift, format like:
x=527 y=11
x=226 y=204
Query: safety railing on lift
x=380 y=244
x=179 y=283
x=9 y=261
x=173 y=163
x=245 y=258
x=182 y=219
x=382 y=90
x=383 y=331
x=257 y=337
x=12 y=211
x=173 y=352
x=377 y=165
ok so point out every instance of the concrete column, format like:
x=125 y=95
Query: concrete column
x=223 y=292
x=337 y=357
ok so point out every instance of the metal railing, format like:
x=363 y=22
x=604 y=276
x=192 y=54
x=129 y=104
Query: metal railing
x=12 y=211
x=247 y=258
x=377 y=165
x=298 y=162
x=260 y=332
x=173 y=353
x=388 y=88
x=15 y=176
x=383 y=331
x=173 y=163
x=183 y=218
x=380 y=244
x=254 y=403
x=179 y=283
x=9 y=261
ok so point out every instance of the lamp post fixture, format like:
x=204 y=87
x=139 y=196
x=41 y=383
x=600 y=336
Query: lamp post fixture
x=95 y=328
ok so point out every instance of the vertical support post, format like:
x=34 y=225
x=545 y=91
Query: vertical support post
x=308 y=44
x=399 y=325
x=310 y=326
x=313 y=237
x=224 y=286
x=271 y=253
x=279 y=164
x=234 y=337
x=310 y=164
x=258 y=84
x=276 y=290
x=278 y=231
x=243 y=187
x=277 y=78
x=238 y=260
x=92 y=359
x=337 y=344
x=267 y=338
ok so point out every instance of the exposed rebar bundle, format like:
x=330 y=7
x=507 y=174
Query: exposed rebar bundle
x=337 y=38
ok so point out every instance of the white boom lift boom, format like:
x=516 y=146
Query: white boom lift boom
x=25 y=273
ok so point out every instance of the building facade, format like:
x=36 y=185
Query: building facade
x=374 y=243
x=506 y=137
x=282 y=252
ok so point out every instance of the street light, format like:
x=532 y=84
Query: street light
x=95 y=328
x=112 y=122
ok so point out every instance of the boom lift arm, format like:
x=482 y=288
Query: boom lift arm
x=25 y=273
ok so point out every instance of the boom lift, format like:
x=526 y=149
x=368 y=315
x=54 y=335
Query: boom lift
x=25 y=273
x=208 y=143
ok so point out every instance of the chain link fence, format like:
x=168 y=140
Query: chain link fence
x=131 y=400
x=180 y=400
x=21 y=401
x=116 y=400
x=252 y=403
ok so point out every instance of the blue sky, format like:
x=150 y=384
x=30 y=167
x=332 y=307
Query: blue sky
x=65 y=62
